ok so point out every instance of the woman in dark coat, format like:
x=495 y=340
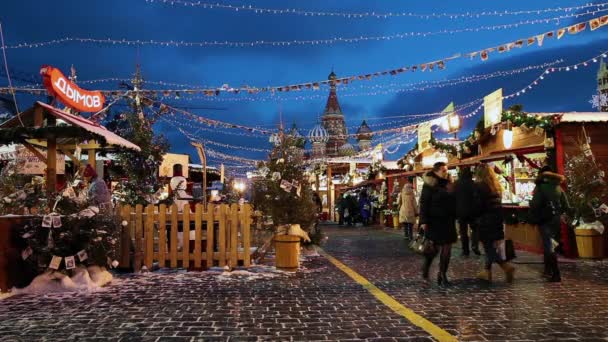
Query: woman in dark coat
x=548 y=203
x=437 y=219
x=365 y=207
x=488 y=194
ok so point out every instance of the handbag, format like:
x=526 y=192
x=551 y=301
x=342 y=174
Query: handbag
x=421 y=245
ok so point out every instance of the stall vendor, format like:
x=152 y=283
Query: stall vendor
x=98 y=192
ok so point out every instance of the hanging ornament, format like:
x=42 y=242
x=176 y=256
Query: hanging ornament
x=493 y=130
x=276 y=176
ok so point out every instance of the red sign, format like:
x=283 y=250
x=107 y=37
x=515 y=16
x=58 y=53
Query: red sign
x=69 y=93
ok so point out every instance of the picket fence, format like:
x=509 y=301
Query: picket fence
x=145 y=238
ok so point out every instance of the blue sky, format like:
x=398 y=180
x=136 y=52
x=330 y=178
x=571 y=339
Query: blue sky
x=31 y=21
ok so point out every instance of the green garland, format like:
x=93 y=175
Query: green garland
x=518 y=118
x=21 y=134
x=437 y=145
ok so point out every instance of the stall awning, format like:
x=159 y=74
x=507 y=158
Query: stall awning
x=366 y=183
x=27 y=117
x=408 y=173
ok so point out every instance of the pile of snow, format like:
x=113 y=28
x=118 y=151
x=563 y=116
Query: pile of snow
x=89 y=279
x=251 y=273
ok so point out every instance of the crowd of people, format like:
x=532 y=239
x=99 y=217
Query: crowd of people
x=355 y=207
x=478 y=209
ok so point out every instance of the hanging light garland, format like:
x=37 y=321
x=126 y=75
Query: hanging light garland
x=288 y=43
x=484 y=54
x=372 y=14
x=177 y=124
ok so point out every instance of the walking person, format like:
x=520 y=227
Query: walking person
x=408 y=209
x=365 y=207
x=437 y=220
x=341 y=209
x=488 y=210
x=548 y=203
x=464 y=192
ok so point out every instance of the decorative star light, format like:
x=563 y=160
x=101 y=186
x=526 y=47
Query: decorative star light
x=599 y=101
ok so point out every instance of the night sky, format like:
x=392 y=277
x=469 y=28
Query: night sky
x=27 y=21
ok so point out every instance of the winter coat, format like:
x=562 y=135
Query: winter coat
x=488 y=213
x=549 y=200
x=464 y=191
x=365 y=207
x=408 y=208
x=98 y=193
x=437 y=210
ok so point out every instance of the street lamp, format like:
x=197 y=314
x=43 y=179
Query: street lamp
x=240 y=186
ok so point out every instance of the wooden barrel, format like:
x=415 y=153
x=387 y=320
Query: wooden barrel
x=590 y=243
x=287 y=249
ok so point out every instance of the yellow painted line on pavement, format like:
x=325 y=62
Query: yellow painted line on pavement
x=392 y=303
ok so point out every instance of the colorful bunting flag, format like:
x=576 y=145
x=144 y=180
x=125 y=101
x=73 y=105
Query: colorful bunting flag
x=531 y=41
x=484 y=55
x=540 y=38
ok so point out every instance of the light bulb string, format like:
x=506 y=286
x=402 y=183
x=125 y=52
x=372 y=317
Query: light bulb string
x=372 y=14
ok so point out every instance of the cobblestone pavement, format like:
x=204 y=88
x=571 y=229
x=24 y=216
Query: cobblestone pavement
x=321 y=302
x=318 y=303
x=527 y=310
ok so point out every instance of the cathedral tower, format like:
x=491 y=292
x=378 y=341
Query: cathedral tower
x=333 y=120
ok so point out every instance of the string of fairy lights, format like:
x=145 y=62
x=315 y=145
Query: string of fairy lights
x=593 y=24
x=289 y=43
x=373 y=14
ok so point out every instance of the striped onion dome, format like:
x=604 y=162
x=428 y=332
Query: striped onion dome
x=347 y=149
x=318 y=134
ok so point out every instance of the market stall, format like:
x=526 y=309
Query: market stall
x=44 y=131
x=518 y=146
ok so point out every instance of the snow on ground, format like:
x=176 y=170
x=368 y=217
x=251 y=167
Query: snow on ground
x=89 y=279
x=4 y=295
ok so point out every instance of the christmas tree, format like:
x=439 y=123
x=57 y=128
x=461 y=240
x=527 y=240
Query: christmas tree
x=284 y=192
x=139 y=169
x=586 y=187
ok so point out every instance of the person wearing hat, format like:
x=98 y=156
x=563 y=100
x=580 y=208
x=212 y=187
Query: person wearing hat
x=98 y=192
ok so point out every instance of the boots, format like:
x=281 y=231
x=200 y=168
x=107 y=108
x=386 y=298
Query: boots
x=485 y=274
x=509 y=271
x=442 y=277
x=547 y=263
x=426 y=267
x=554 y=267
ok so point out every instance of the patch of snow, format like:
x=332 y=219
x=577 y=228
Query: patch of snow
x=4 y=295
x=90 y=279
x=253 y=273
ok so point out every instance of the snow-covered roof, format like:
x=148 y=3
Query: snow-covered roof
x=90 y=126
x=578 y=116
x=391 y=165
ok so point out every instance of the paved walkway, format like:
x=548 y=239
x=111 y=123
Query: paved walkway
x=528 y=309
x=322 y=302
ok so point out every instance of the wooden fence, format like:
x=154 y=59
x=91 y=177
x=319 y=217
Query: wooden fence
x=151 y=235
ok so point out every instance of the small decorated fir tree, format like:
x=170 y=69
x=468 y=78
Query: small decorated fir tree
x=139 y=172
x=284 y=193
x=586 y=185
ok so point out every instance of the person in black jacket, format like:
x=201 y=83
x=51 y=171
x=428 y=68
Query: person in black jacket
x=548 y=203
x=437 y=219
x=464 y=191
x=488 y=195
